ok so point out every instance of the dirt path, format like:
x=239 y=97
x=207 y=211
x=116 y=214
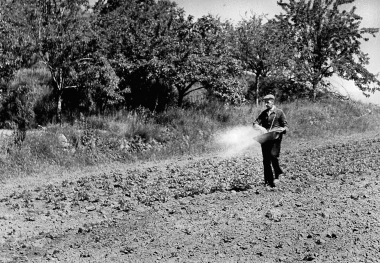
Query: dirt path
x=205 y=209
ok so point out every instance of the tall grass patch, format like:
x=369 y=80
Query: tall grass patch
x=328 y=118
x=127 y=136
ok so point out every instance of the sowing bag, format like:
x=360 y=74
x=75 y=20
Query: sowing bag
x=269 y=136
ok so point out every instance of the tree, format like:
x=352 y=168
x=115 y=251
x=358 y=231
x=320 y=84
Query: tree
x=57 y=34
x=99 y=84
x=63 y=41
x=135 y=34
x=15 y=48
x=17 y=106
x=201 y=54
x=152 y=45
x=327 y=41
x=262 y=47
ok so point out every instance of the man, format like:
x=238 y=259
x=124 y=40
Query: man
x=272 y=119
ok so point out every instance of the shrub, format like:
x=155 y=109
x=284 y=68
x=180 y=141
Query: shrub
x=329 y=118
x=95 y=122
x=18 y=106
x=45 y=108
x=28 y=98
x=169 y=117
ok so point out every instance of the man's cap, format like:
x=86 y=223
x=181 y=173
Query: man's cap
x=269 y=97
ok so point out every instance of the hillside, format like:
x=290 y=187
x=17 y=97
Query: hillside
x=138 y=136
x=203 y=208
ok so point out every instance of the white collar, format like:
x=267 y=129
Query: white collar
x=272 y=109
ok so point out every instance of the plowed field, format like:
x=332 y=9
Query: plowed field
x=205 y=209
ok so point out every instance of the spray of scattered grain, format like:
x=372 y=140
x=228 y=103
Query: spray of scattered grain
x=237 y=141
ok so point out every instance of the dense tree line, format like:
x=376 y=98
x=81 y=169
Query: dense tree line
x=131 y=53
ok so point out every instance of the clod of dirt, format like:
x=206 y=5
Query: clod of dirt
x=221 y=255
x=320 y=241
x=355 y=197
x=39 y=243
x=4 y=199
x=310 y=257
x=127 y=250
x=325 y=214
x=6 y=217
x=274 y=215
x=83 y=230
x=330 y=234
x=30 y=218
x=91 y=208
x=85 y=254
x=53 y=253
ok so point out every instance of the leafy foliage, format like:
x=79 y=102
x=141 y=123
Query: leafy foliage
x=208 y=63
x=25 y=90
x=18 y=107
x=135 y=35
x=326 y=41
x=15 y=47
x=56 y=36
x=262 y=47
x=132 y=53
x=99 y=85
x=157 y=47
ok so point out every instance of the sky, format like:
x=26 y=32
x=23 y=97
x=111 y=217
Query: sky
x=234 y=10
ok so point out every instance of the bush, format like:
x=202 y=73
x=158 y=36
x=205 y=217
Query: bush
x=27 y=97
x=329 y=118
x=18 y=107
x=98 y=123
x=45 y=108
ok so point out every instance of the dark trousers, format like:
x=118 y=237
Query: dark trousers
x=271 y=153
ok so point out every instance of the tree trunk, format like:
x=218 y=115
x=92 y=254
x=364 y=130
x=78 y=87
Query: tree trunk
x=59 y=85
x=181 y=95
x=257 y=86
x=314 y=91
x=59 y=107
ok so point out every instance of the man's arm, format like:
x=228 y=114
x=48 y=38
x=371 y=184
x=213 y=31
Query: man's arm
x=257 y=124
x=258 y=121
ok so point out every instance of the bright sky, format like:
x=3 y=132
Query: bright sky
x=236 y=9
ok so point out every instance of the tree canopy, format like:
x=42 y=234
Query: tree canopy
x=326 y=40
x=262 y=48
x=132 y=53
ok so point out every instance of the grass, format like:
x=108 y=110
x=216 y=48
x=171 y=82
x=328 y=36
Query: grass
x=331 y=118
x=147 y=136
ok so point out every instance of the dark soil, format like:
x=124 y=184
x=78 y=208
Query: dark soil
x=206 y=209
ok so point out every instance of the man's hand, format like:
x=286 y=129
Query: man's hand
x=256 y=126
x=259 y=128
x=280 y=130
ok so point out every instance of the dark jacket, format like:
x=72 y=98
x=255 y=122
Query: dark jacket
x=275 y=120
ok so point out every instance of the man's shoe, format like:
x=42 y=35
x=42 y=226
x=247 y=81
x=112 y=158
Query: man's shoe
x=276 y=182
x=278 y=175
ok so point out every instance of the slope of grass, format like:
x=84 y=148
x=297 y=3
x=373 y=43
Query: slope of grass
x=141 y=135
